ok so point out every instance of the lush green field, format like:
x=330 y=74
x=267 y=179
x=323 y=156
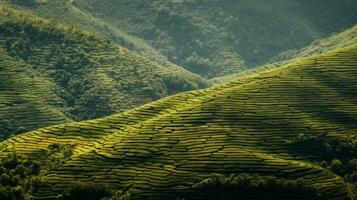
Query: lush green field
x=294 y=125
x=74 y=73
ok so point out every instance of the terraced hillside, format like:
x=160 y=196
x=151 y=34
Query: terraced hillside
x=27 y=100
x=173 y=147
x=91 y=76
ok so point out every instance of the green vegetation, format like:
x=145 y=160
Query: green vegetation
x=251 y=187
x=17 y=176
x=285 y=130
x=335 y=41
x=88 y=191
x=73 y=73
x=254 y=125
x=215 y=38
x=211 y=38
x=336 y=154
x=64 y=11
x=27 y=100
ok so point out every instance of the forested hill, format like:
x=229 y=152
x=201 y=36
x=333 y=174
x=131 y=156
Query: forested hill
x=208 y=37
x=334 y=41
x=84 y=76
x=217 y=37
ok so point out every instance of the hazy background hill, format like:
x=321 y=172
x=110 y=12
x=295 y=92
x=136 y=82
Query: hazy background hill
x=334 y=41
x=208 y=37
x=213 y=38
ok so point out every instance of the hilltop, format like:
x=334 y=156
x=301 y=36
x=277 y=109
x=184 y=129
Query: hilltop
x=276 y=126
x=78 y=74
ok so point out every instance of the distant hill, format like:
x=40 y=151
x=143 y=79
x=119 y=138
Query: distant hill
x=221 y=37
x=277 y=123
x=89 y=76
x=335 y=41
x=63 y=11
x=209 y=38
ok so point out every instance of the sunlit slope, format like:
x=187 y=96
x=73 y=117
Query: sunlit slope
x=27 y=100
x=162 y=149
x=93 y=76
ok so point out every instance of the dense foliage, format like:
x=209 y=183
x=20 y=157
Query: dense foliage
x=214 y=38
x=251 y=187
x=18 y=175
x=92 y=191
x=335 y=154
x=211 y=38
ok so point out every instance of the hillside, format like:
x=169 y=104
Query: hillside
x=335 y=41
x=215 y=38
x=89 y=76
x=209 y=38
x=63 y=11
x=278 y=123
x=27 y=101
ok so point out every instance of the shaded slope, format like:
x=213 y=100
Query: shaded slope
x=215 y=38
x=335 y=41
x=161 y=150
x=27 y=100
x=63 y=11
x=210 y=38
x=92 y=76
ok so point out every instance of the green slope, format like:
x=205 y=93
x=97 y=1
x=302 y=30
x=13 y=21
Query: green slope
x=215 y=38
x=92 y=76
x=335 y=41
x=27 y=100
x=210 y=38
x=166 y=149
x=64 y=11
